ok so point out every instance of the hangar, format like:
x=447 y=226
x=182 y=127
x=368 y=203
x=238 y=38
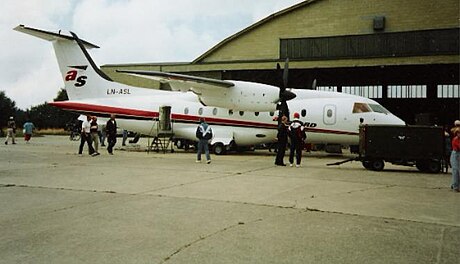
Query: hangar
x=403 y=54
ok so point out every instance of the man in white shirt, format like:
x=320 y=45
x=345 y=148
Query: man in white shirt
x=86 y=137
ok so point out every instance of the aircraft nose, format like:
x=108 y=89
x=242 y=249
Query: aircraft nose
x=397 y=121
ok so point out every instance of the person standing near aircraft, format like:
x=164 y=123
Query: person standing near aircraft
x=86 y=137
x=111 y=132
x=455 y=159
x=298 y=136
x=282 y=141
x=102 y=135
x=28 y=129
x=11 y=131
x=204 y=134
x=94 y=133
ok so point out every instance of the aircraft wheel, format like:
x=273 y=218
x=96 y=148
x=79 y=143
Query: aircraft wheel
x=180 y=144
x=219 y=149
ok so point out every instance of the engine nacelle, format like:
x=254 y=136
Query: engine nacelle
x=244 y=96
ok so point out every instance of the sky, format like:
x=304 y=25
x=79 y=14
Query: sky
x=128 y=31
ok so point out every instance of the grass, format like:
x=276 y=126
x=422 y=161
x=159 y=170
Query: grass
x=41 y=132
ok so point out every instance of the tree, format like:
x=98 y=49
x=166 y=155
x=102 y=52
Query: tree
x=47 y=116
x=61 y=96
x=8 y=108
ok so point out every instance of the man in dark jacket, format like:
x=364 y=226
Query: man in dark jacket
x=282 y=137
x=111 y=131
x=298 y=136
x=204 y=134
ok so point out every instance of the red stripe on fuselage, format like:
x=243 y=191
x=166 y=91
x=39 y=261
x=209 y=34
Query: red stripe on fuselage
x=104 y=109
x=81 y=107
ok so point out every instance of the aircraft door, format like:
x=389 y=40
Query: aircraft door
x=329 y=114
x=165 y=118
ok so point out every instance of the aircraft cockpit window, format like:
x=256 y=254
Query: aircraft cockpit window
x=361 y=108
x=241 y=113
x=230 y=112
x=214 y=111
x=200 y=111
x=186 y=110
x=379 y=109
x=303 y=113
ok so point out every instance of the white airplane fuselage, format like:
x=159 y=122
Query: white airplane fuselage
x=328 y=116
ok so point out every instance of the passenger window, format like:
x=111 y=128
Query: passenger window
x=256 y=113
x=241 y=113
x=272 y=113
x=230 y=112
x=329 y=113
x=214 y=111
x=186 y=110
x=361 y=108
x=303 y=113
x=200 y=111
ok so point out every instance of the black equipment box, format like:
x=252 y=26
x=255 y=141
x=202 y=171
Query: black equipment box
x=422 y=146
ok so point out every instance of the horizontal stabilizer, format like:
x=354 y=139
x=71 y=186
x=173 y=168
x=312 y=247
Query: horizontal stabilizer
x=50 y=36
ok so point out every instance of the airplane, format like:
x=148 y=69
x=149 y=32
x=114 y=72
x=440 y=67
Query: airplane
x=241 y=113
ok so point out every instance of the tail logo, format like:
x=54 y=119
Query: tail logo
x=72 y=75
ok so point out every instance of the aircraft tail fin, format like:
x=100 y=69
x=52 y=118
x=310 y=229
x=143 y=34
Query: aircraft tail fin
x=82 y=77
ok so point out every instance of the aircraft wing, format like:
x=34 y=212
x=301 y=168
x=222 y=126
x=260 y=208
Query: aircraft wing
x=179 y=82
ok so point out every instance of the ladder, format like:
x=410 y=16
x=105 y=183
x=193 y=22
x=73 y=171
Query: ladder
x=162 y=129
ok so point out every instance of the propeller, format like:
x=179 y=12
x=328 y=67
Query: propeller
x=313 y=85
x=284 y=95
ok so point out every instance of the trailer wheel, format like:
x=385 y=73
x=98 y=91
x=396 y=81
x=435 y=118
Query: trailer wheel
x=431 y=166
x=366 y=164
x=421 y=165
x=376 y=165
x=434 y=166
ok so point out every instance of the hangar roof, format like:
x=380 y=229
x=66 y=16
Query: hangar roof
x=332 y=34
x=251 y=27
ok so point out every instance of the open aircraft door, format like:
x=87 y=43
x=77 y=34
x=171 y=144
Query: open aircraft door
x=329 y=114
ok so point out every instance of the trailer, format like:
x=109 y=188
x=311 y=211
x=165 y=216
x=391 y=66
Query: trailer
x=419 y=146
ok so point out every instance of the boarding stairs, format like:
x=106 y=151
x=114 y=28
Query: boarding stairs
x=162 y=132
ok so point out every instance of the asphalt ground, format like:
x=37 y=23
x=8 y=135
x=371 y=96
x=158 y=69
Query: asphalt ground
x=139 y=207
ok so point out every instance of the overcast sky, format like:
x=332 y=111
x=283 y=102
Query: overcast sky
x=128 y=31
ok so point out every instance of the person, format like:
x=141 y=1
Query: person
x=447 y=150
x=204 y=134
x=125 y=137
x=455 y=159
x=111 y=132
x=11 y=131
x=281 y=136
x=94 y=133
x=28 y=129
x=102 y=135
x=456 y=125
x=86 y=137
x=298 y=136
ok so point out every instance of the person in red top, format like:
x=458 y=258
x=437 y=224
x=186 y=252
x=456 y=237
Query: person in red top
x=455 y=158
